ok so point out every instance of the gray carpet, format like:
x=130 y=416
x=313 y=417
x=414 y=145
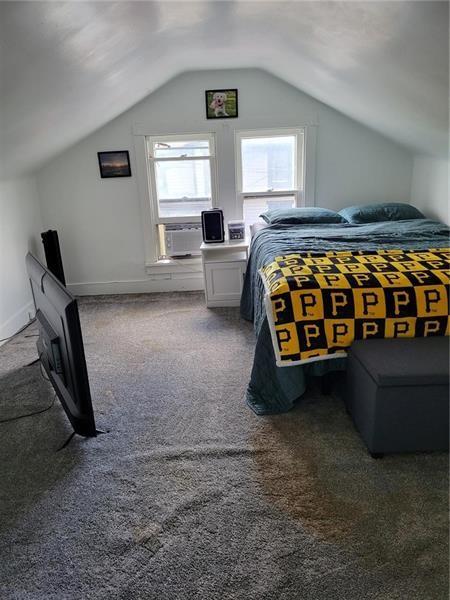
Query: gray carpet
x=191 y=495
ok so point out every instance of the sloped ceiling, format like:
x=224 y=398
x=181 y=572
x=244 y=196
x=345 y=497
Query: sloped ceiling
x=67 y=68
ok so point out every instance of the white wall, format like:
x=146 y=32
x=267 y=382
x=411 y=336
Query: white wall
x=99 y=221
x=430 y=187
x=20 y=227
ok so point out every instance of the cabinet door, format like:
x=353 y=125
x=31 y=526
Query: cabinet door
x=224 y=281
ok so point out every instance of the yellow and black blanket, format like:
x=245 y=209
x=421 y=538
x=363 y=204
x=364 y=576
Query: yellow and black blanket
x=317 y=304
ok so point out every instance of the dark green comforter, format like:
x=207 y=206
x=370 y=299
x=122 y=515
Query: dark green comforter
x=274 y=389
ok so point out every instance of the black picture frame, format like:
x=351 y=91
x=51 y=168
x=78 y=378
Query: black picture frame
x=114 y=163
x=230 y=107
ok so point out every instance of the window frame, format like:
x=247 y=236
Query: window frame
x=300 y=162
x=151 y=162
x=140 y=131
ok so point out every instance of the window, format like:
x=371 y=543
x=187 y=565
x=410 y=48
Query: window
x=182 y=175
x=269 y=171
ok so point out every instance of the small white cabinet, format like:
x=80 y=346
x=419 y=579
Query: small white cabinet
x=224 y=267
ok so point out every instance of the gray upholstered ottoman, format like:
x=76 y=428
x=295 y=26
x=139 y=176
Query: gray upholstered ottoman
x=398 y=393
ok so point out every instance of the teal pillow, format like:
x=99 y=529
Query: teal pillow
x=291 y=216
x=387 y=211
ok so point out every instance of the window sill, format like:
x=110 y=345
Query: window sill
x=191 y=265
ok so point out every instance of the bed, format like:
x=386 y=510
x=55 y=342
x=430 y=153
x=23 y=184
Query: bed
x=275 y=389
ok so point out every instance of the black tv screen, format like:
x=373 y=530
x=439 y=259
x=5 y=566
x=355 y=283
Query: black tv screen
x=60 y=345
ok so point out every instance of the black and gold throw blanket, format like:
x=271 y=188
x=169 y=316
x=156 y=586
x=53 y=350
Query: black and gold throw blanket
x=317 y=304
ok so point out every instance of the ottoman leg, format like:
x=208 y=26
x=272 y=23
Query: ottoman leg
x=376 y=454
x=326 y=383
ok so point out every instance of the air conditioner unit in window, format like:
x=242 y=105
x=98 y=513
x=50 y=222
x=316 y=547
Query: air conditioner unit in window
x=183 y=239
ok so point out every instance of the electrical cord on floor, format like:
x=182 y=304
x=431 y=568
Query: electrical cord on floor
x=37 y=412
x=67 y=442
x=42 y=410
x=20 y=331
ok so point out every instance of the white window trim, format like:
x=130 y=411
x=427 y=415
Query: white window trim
x=151 y=172
x=304 y=194
x=309 y=164
x=147 y=199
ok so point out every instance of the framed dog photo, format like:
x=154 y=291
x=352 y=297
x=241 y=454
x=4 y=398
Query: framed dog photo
x=221 y=104
x=114 y=164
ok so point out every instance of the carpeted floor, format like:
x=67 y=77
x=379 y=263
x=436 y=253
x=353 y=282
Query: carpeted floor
x=193 y=497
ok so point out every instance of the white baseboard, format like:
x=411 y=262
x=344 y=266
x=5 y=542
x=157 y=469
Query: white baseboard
x=140 y=286
x=16 y=321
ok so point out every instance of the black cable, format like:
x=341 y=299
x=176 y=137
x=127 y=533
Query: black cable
x=37 y=412
x=67 y=442
x=17 y=332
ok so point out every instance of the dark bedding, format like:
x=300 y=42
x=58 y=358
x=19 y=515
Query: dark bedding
x=273 y=389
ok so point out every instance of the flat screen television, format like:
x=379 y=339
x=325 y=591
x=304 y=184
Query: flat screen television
x=60 y=345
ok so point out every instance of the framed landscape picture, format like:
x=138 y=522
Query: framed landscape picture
x=221 y=104
x=114 y=164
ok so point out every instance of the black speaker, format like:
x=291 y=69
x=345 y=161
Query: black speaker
x=212 y=226
x=53 y=254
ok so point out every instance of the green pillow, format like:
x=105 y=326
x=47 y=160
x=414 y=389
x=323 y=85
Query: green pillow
x=291 y=216
x=387 y=211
